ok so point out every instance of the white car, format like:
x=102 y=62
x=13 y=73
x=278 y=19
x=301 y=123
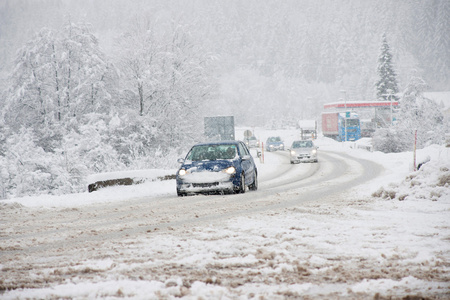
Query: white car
x=252 y=142
x=303 y=151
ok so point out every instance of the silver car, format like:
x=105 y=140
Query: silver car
x=252 y=142
x=303 y=151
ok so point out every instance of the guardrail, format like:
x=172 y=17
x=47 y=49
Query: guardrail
x=125 y=181
x=365 y=147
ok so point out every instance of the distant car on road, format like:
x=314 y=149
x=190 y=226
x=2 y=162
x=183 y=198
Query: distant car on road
x=274 y=143
x=217 y=167
x=252 y=142
x=303 y=151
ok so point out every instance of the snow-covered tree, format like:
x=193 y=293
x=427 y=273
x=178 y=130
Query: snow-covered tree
x=85 y=72
x=138 y=55
x=30 y=100
x=61 y=78
x=166 y=80
x=185 y=87
x=420 y=113
x=29 y=169
x=59 y=75
x=386 y=86
x=416 y=113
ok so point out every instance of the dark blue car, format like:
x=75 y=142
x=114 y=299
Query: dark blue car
x=217 y=167
x=274 y=143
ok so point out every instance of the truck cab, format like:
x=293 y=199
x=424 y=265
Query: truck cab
x=350 y=121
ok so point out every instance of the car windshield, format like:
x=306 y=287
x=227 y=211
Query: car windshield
x=212 y=152
x=302 y=144
x=274 y=139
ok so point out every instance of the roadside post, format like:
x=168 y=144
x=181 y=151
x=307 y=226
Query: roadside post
x=415 y=148
x=261 y=159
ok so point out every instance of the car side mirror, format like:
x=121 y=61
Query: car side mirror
x=180 y=160
x=246 y=157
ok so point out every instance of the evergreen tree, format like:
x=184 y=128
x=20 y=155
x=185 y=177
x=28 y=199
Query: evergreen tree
x=386 y=86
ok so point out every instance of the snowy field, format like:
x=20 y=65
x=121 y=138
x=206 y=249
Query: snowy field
x=387 y=239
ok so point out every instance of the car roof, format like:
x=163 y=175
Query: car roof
x=218 y=143
x=303 y=142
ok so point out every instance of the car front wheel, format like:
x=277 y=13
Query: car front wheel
x=254 y=185
x=241 y=187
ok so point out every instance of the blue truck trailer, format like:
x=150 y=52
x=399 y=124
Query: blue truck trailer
x=341 y=126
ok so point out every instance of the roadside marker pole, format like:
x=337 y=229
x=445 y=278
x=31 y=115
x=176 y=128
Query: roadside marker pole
x=262 y=152
x=415 y=148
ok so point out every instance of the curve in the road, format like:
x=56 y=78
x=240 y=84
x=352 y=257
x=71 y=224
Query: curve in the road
x=335 y=173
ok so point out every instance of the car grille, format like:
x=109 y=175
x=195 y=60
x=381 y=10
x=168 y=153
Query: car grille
x=203 y=185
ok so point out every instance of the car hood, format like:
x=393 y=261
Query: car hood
x=207 y=165
x=303 y=150
x=206 y=171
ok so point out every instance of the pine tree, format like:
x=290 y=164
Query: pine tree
x=386 y=86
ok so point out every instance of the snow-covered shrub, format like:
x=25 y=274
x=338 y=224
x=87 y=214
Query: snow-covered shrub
x=385 y=194
x=391 y=140
x=430 y=182
x=29 y=169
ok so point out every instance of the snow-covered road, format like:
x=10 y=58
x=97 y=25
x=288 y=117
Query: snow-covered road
x=42 y=231
x=304 y=233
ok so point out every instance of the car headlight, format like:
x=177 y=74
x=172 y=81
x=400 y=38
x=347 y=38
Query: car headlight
x=182 y=172
x=314 y=152
x=292 y=152
x=230 y=170
x=281 y=145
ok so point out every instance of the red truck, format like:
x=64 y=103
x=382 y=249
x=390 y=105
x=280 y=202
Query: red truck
x=330 y=126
